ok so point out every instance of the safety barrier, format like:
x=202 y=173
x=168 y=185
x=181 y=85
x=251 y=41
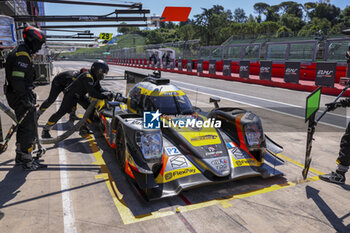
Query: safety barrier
x=280 y=73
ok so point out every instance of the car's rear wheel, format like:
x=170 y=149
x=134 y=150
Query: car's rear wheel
x=120 y=146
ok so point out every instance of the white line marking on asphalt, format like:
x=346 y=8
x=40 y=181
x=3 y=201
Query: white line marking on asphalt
x=67 y=204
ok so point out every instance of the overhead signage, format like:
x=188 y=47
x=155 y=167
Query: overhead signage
x=106 y=36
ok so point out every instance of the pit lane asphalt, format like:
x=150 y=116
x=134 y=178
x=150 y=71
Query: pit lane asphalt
x=36 y=202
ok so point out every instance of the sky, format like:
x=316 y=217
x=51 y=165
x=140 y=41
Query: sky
x=157 y=6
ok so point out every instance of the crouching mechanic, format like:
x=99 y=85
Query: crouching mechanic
x=343 y=160
x=88 y=82
x=20 y=96
x=59 y=83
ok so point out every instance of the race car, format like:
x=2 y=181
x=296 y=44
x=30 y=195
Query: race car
x=165 y=145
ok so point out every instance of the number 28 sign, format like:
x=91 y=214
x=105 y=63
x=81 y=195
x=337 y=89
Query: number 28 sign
x=106 y=36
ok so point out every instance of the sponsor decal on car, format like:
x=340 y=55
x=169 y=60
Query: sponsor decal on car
x=172 y=151
x=238 y=154
x=171 y=93
x=219 y=161
x=246 y=163
x=178 y=162
x=212 y=151
x=180 y=173
x=204 y=137
x=230 y=145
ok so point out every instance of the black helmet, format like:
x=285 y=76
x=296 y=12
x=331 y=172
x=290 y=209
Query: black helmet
x=99 y=68
x=34 y=38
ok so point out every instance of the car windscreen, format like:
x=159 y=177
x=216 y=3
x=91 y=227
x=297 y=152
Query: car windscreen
x=172 y=105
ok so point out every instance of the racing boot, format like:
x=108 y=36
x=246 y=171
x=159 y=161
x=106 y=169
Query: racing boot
x=46 y=134
x=46 y=130
x=84 y=131
x=337 y=177
x=30 y=164
x=73 y=117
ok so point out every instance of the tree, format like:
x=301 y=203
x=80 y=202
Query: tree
x=345 y=17
x=260 y=7
x=272 y=14
x=210 y=22
x=239 y=16
x=267 y=27
x=308 y=7
x=292 y=22
x=315 y=26
x=291 y=8
x=283 y=30
x=326 y=11
x=154 y=37
x=186 y=32
x=127 y=30
x=251 y=19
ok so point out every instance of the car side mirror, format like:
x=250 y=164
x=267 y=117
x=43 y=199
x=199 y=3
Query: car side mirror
x=215 y=100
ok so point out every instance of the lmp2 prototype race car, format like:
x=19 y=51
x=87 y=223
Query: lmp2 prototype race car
x=165 y=145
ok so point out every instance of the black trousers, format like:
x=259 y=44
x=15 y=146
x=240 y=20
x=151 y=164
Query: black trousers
x=69 y=102
x=27 y=130
x=344 y=153
x=56 y=89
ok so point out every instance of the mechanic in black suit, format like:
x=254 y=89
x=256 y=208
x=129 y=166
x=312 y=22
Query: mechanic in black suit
x=343 y=160
x=87 y=82
x=18 y=88
x=59 y=83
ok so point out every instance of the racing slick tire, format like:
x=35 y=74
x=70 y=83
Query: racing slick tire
x=120 y=146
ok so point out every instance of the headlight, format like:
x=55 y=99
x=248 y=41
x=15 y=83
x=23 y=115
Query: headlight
x=150 y=144
x=253 y=134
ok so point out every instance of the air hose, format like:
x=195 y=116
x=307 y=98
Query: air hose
x=8 y=111
x=63 y=136
x=68 y=133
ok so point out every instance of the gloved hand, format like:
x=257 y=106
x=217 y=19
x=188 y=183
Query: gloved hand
x=333 y=106
x=111 y=96
x=119 y=97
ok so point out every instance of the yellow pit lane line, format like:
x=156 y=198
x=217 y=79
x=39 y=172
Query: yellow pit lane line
x=127 y=216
